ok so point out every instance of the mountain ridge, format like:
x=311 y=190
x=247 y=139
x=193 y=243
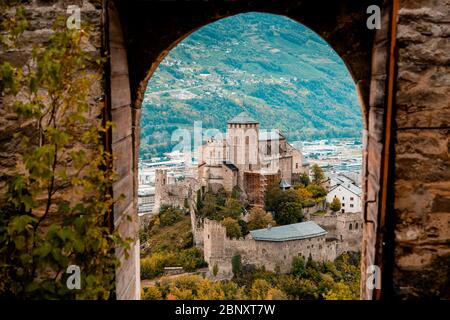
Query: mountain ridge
x=279 y=71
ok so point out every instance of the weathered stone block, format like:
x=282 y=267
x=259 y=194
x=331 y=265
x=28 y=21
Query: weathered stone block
x=123 y=194
x=120 y=91
x=121 y=117
x=123 y=155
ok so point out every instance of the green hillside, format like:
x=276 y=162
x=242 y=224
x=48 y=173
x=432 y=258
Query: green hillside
x=279 y=71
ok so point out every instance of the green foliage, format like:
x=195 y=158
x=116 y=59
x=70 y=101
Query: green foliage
x=236 y=265
x=286 y=205
x=151 y=293
x=316 y=191
x=232 y=209
x=175 y=237
x=317 y=174
x=199 y=201
x=215 y=269
x=260 y=289
x=308 y=280
x=236 y=192
x=42 y=230
x=232 y=227
x=304 y=179
x=210 y=207
x=275 y=197
x=335 y=205
x=168 y=215
x=192 y=259
x=289 y=212
x=259 y=219
x=244 y=227
x=298 y=267
x=153 y=265
x=339 y=291
x=169 y=246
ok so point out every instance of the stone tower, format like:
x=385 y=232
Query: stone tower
x=243 y=144
x=160 y=182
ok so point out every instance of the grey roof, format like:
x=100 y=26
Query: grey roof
x=296 y=231
x=270 y=135
x=349 y=186
x=243 y=118
x=284 y=184
x=231 y=166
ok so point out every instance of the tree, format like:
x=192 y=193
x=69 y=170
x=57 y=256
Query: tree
x=169 y=214
x=276 y=294
x=199 y=201
x=259 y=289
x=151 y=293
x=298 y=267
x=236 y=265
x=339 y=291
x=304 y=194
x=275 y=197
x=259 y=219
x=209 y=208
x=317 y=191
x=289 y=212
x=215 y=269
x=317 y=173
x=232 y=209
x=236 y=192
x=244 y=227
x=304 y=179
x=232 y=227
x=335 y=205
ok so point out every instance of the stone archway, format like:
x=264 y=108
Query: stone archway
x=140 y=36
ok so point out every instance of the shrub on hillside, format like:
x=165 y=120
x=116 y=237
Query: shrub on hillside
x=232 y=227
x=168 y=215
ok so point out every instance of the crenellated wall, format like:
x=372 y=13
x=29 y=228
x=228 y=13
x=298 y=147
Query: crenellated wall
x=273 y=255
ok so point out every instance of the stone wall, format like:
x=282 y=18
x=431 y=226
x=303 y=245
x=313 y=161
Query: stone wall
x=273 y=255
x=422 y=146
x=41 y=16
x=176 y=193
x=338 y=226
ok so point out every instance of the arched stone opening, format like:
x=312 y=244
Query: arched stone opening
x=139 y=37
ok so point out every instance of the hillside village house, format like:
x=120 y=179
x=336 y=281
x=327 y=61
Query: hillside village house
x=249 y=158
x=347 y=192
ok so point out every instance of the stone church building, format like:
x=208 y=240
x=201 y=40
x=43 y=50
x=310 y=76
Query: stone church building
x=249 y=158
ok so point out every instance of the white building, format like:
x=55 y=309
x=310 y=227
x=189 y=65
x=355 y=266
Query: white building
x=146 y=200
x=348 y=193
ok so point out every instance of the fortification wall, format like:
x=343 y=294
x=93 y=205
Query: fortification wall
x=273 y=255
x=176 y=193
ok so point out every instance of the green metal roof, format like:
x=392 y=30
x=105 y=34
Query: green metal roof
x=296 y=231
x=243 y=118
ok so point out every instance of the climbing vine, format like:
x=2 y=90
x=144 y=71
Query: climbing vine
x=56 y=204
